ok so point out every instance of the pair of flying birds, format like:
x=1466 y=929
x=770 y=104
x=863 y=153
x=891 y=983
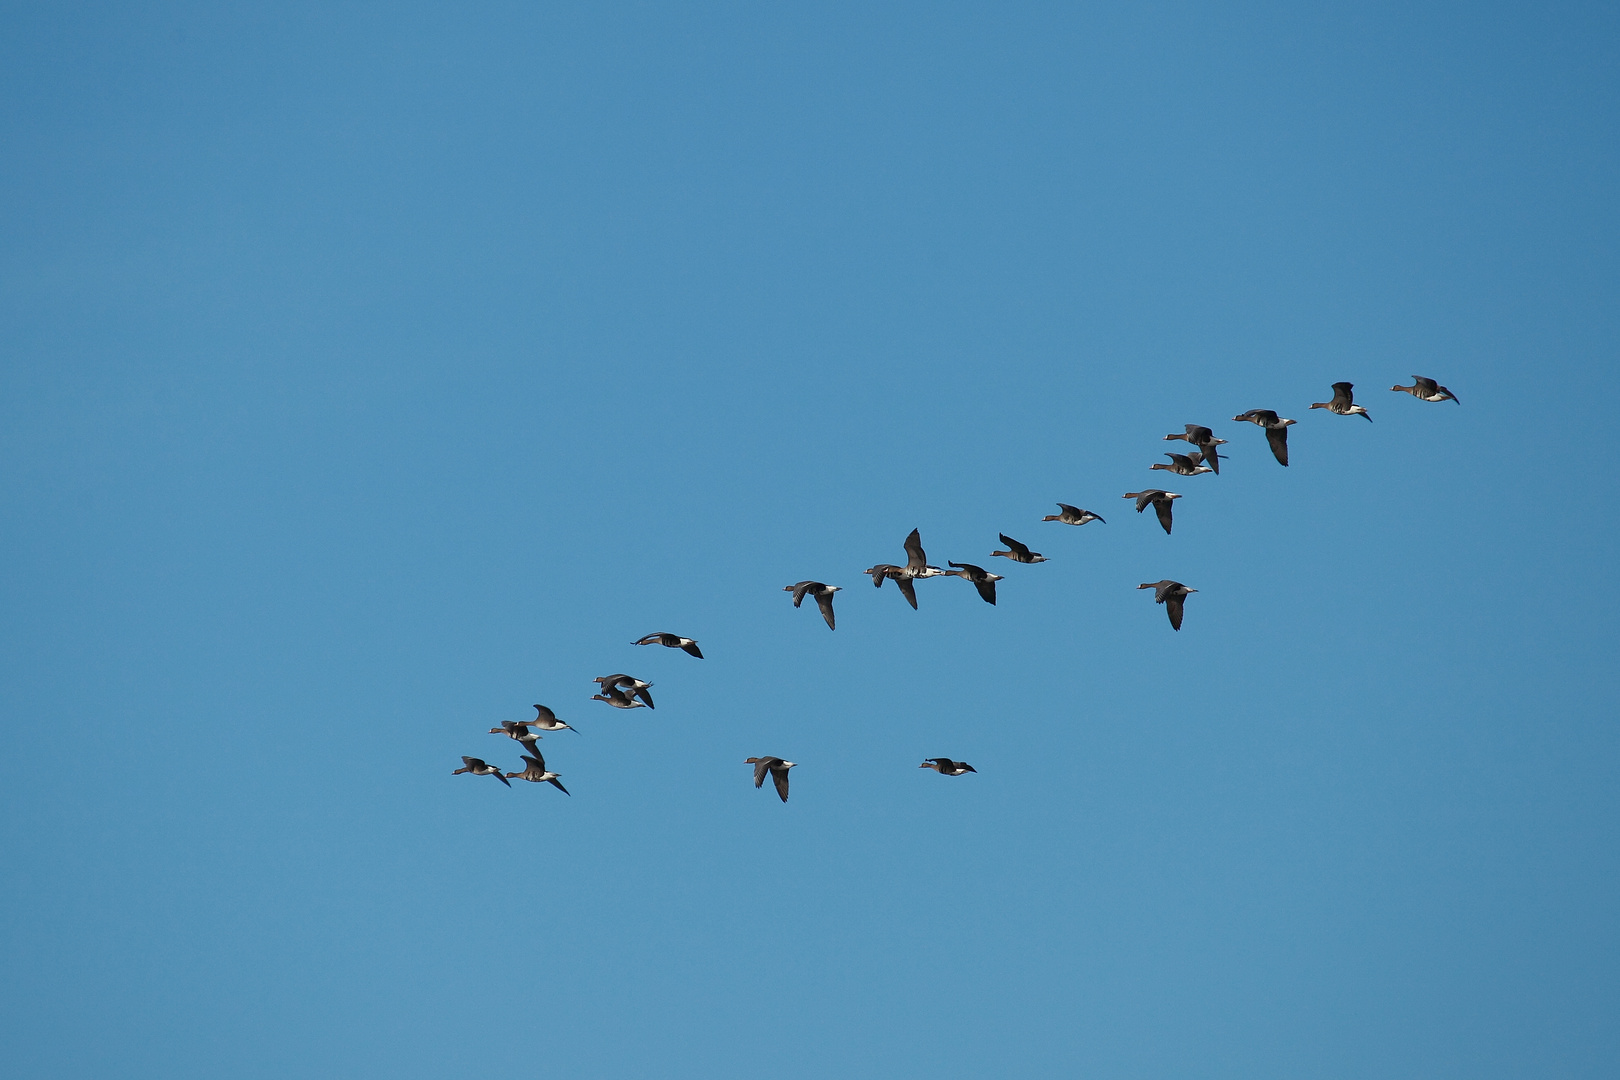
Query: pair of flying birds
x=777 y=770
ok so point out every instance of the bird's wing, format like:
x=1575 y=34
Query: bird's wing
x=1278 y=438
x=645 y=695
x=1174 y=605
x=780 y=776
x=497 y=775
x=987 y=590
x=542 y=713
x=799 y=590
x=1072 y=511
x=1162 y=508
x=761 y=767
x=1142 y=498
x=915 y=559
x=824 y=602
x=908 y=589
x=554 y=782
x=1343 y=397
x=650 y=639
x=692 y=648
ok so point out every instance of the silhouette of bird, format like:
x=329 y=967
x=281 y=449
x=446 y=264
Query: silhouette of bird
x=1017 y=552
x=630 y=684
x=535 y=772
x=671 y=641
x=778 y=770
x=1173 y=595
x=1160 y=501
x=1276 y=430
x=822 y=593
x=946 y=767
x=982 y=579
x=1073 y=515
x=1343 y=403
x=1426 y=390
x=1205 y=440
x=479 y=767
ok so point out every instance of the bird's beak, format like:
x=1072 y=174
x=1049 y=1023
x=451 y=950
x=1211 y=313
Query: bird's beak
x=1192 y=590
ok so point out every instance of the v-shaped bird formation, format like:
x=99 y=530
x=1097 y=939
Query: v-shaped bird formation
x=1203 y=456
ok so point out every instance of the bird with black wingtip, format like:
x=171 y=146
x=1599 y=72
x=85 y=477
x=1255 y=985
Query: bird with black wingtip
x=672 y=641
x=1173 y=595
x=823 y=594
x=776 y=769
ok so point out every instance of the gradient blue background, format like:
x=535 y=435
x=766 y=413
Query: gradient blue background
x=372 y=372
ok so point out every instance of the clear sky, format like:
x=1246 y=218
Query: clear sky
x=371 y=372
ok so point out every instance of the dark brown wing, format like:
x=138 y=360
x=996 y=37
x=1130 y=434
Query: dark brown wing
x=799 y=590
x=762 y=765
x=1162 y=507
x=554 y=782
x=1343 y=397
x=1173 y=604
x=545 y=715
x=915 y=559
x=824 y=602
x=692 y=649
x=780 y=776
x=1278 y=438
x=987 y=589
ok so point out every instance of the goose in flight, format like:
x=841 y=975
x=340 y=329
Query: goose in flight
x=479 y=767
x=672 y=641
x=1343 y=403
x=822 y=593
x=1184 y=464
x=1276 y=430
x=546 y=720
x=518 y=731
x=1017 y=552
x=982 y=579
x=1205 y=440
x=904 y=576
x=946 y=767
x=778 y=770
x=1161 y=501
x=1427 y=390
x=1173 y=595
x=629 y=683
x=535 y=772
x=617 y=698
x=1073 y=515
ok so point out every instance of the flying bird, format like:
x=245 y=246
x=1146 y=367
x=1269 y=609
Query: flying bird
x=778 y=770
x=617 y=698
x=1073 y=515
x=1343 y=403
x=904 y=576
x=1427 y=390
x=518 y=731
x=546 y=720
x=1276 y=430
x=1173 y=595
x=823 y=595
x=629 y=683
x=1161 y=501
x=1016 y=552
x=1184 y=464
x=479 y=767
x=672 y=641
x=535 y=772
x=1205 y=440
x=946 y=767
x=982 y=579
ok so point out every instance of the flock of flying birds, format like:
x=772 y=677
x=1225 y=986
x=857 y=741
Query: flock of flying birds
x=628 y=692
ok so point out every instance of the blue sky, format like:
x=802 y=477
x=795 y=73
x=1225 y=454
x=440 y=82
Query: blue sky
x=372 y=372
